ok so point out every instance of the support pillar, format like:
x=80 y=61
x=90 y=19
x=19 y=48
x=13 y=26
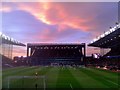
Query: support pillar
x=27 y=51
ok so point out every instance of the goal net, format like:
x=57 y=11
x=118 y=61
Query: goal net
x=26 y=82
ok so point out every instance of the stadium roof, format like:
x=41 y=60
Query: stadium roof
x=8 y=40
x=53 y=44
x=109 y=39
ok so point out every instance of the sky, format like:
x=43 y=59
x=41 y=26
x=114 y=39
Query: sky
x=61 y=22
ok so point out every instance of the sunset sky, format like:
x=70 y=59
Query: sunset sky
x=63 y=22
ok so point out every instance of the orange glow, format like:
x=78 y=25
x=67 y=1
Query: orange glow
x=53 y=14
x=5 y=9
x=19 y=51
x=43 y=18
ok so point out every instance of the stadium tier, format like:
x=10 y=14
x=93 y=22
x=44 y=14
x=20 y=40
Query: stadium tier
x=110 y=39
x=4 y=39
x=47 y=53
x=6 y=49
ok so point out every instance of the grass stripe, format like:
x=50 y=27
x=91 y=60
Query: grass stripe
x=16 y=70
x=106 y=71
x=65 y=78
x=51 y=77
x=111 y=77
x=57 y=77
x=29 y=71
x=99 y=78
x=85 y=80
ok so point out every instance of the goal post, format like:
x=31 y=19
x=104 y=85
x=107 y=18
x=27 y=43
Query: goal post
x=26 y=82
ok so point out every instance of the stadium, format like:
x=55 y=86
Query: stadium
x=61 y=65
x=55 y=53
x=43 y=59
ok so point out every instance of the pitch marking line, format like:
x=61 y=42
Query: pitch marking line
x=112 y=82
x=71 y=86
x=44 y=83
x=108 y=80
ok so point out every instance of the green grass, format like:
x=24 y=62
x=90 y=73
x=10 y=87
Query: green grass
x=60 y=77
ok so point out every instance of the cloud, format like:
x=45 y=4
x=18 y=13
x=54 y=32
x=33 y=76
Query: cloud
x=5 y=9
x=57 y=22
x=55 y=14
x=80 y=16
x=19 y=51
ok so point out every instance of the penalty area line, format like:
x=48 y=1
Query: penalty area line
x=71 y=86
x=44 y=83
x=112 y=82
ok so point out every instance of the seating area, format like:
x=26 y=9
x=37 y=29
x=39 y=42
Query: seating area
x=7 y=62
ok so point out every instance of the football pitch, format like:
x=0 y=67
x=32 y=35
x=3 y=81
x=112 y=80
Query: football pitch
x=46 y=77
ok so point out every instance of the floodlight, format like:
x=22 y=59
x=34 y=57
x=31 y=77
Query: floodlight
x=108 y=32
x=102 y=35
x=3 y=35
x=113 y=29
x=119 y=25
x=8 y=37
x=12 y=39
x=95 y=39
x=91 y=42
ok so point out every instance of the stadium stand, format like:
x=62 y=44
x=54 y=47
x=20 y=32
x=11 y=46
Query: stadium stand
x=7 y=62
x=49 y=53
x=6 y=49
x=110 y=39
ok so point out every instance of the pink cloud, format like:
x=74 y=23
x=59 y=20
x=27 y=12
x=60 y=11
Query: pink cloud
x=18 y=51
x=79 y=16
x=57 y=14
x=86 y=17
x=46 y=36
x=63 y=15
x=5 y=9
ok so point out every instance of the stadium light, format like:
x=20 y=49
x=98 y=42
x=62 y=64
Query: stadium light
x=111 y=30
x=12 y=39
x=91 y=42
x=8 y=37
x=107 y=32
x=98 y=37
x=41 y=47
x=119 y=25
x=102 y=35
x=3 y=35
x=114 y=28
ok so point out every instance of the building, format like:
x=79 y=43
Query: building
x=48 y=53
x=6 y=45
x=109 y=40
x=6 y=49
